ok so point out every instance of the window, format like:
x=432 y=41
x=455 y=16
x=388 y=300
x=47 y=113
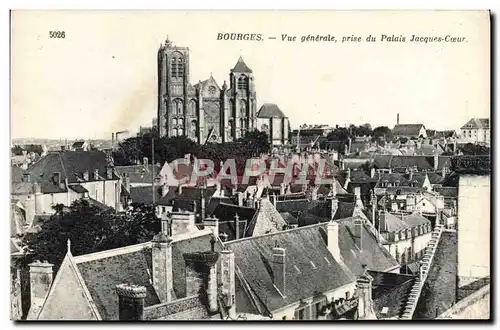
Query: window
x=403 y=257
x=243 y=83
x=410 y=256
x=181 y=121
x=301 y=314
x=403 y=235
x=177 y=66
x=180 y=67
x=174 y=121
x=396 y=237
x=192 y=108
x=174 y=132
x=181 y=132
x=243 y=108
x=231 y=128
x=347 y=295
x=193 y=128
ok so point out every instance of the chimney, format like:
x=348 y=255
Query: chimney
x=112 y=140
x=279 y=268
x=237 y=225
x=333 y=239
x=314 y=193
x=40 y=282
x=436 y=161
x=39 y=207
x=26 y=177
x=201 y=277
x=333 y=207
x=182 y=222
x=240 y=199
x=382 y=223
x=130 y=302
x=365 y=302
x=86 y=175
x=357 y=192
x=358 y=233
x=274 y=198
x=96 y=174
x=145 y=161
x=372 y=172
x=397 y=119
x=228 y=281
x=57 y=178
x=30 y=205
x=410 y=178
x=162 y=266
x=213 y=224
x=202 y=203
x=109 y=172
x=282 y=188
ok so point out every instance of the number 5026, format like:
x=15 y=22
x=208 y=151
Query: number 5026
x=57 y=34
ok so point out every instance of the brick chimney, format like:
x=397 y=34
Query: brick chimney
x=130 y=302
x=228 y=281
x=40 y=282
x=365 y=301
x=279 y=269
x=162 y=266
x=183 y=222
x=358 y=233
x=201 y=277
x=372 y=172
x=333 y=239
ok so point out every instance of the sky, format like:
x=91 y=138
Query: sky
x=101 y=78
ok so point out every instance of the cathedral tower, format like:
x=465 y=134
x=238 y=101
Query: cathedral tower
x=242 y=100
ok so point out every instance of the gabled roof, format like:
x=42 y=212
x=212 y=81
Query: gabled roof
x=477 y=123
x=310 y=267
x=102 y=271
x=414 y=219
x=411 y=130
x=270 y=110
x=241 y=66
x=70 y=165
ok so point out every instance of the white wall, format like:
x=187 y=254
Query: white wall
x=474 y=226
x=106 y=192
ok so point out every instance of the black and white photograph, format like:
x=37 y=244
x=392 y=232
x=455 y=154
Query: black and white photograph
x=250 y=165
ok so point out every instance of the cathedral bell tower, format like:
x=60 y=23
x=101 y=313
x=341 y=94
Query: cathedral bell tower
x=173 y=77
x=242 y=109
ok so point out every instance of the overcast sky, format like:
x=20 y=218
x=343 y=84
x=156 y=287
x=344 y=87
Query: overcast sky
x=101 y=77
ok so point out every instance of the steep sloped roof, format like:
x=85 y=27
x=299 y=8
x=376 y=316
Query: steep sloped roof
x=476 y=123
x=270 y=110
x=412 y=130
x=241 y=66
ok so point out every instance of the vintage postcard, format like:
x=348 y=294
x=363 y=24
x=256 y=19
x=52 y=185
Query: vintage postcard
x=250 y=165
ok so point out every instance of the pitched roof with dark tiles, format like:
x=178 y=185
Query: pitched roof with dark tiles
x=412 y=130
x=78 y=188
x=241 y=66
x=101 y=275
x=270 y=110
x=254 y=256
x=289 y=219
x=447 y=191
x=70 y=165
x=144 y=194
x=17 y=174
x=373 y=255
x=421 y=162
x=476 y=123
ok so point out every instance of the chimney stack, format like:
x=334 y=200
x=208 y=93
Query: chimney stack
x=145 y=161
x=282 y=188
x=201 y=277
x=96 y=174
x=358 y=233
x=397 y=119
x=372 y=172
x=333 y=207
x=240 y=199
x=314 y=193
x=202 y=203
x=436 y=161
x=274 y=198
x=237 y=225
x=279 y=268
x=365 y=302
x=130 y=302
x=86 y=175
x=109 y=172
x=39 y=207
x=228 y=281
x=162 y=266
x=126 y=182
x=40 y=283
x=333 y=239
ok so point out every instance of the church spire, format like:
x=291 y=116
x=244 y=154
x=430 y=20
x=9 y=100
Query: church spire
x=241 y=66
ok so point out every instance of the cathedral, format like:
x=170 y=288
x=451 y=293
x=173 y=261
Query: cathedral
x=206 y=112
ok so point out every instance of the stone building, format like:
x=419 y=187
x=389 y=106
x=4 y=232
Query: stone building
x=206 y=111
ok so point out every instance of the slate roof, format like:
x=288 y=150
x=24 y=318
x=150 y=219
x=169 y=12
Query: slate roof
x=139 y=173
x=476 y=123
x=289 y=219
x=447 y=191
x=71 y=165
x=78 y=144
x=270 y=110
x=373 y=255
x=78 y=188
x=477 y=165
x=253 y=257
x=434 y=178
x=102 y=274
x=421 y=162
x=444 y=161
x=409 y=130
x=16 y=174
x=414 y=219
x=394 y=178
x=226 y=214
x=144 y=194
x=241 y=66
x=390 y=291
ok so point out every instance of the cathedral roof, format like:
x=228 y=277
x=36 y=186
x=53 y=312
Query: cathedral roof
x=270 y=110
x=241 y=66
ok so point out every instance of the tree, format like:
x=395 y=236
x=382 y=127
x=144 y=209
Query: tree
x=90 y=229
x=474 y=149
x=382 y=132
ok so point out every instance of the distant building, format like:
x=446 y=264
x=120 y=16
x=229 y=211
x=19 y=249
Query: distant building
x=409 y=131
x=80 y=146
x=476 y=130
x=272 y=120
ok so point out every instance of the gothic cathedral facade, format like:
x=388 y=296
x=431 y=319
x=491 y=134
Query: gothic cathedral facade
x=204 y=112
